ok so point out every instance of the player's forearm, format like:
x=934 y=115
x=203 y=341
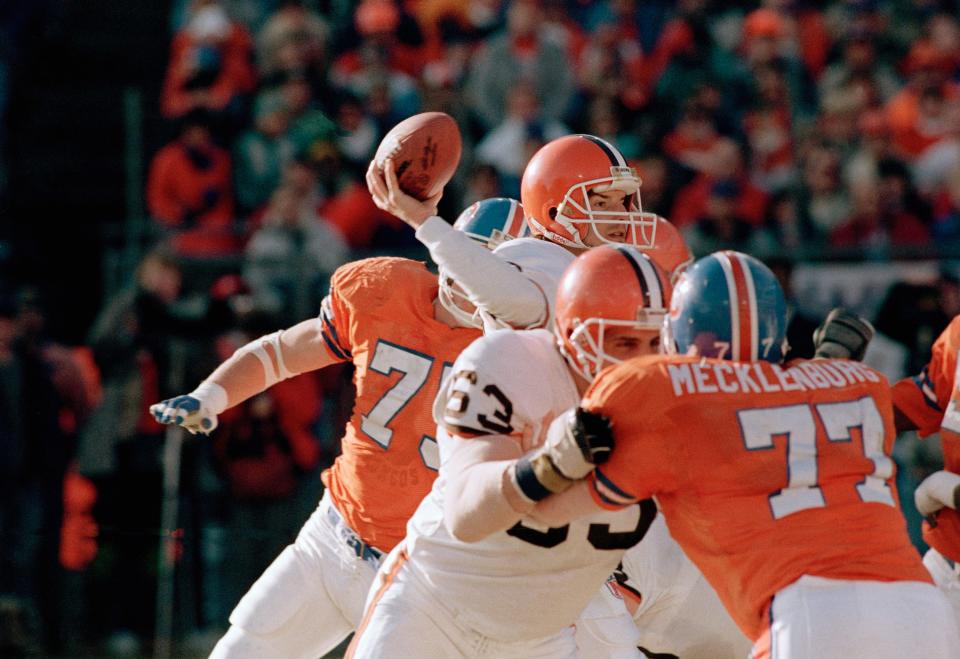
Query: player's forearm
x=484 y=276
x=483 y=500
x=263 y=362
x=562 y=508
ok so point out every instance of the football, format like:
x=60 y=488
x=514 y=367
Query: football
x=426 y=151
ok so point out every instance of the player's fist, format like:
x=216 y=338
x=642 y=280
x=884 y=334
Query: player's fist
x=187 y=411
x=939 y=489
x=387 y=195
x=578 y=441
x=843 y=335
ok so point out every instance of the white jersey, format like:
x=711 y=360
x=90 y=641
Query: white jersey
x=519 y=295
x=530 y=581
x=678 y=611
x=541 y=262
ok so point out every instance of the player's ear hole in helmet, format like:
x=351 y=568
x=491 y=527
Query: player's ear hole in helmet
x=727 y=305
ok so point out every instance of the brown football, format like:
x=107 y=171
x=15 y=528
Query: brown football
x=426 y=151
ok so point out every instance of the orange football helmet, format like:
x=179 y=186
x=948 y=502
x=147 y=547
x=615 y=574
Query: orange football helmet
x=670 y=250
x=607 y=286
x=555 y=192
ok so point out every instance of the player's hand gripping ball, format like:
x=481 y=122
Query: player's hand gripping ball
x=425 y=150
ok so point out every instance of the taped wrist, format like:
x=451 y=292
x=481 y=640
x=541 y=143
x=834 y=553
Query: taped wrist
x=211 y=396
x=258 y=348
x=537 y=477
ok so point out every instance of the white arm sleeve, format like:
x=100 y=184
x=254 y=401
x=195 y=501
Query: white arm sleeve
x=491 y=282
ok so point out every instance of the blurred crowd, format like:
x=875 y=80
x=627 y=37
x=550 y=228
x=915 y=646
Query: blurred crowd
x=787 y=129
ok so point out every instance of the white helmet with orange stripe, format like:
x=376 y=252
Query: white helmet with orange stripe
x=728 y=305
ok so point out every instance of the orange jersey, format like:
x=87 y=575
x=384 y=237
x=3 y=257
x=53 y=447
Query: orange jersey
x=930 y=400
x=763 y=473
x=380 y=316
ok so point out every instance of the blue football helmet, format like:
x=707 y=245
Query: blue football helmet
x=489 y=222
x=730 y=306
x=493 y=221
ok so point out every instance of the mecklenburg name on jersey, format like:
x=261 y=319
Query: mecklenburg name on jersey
x=710 y=377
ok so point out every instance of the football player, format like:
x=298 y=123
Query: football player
x=474 y=577
x=386 y=317
x=776 y=481
x=928 y=403
x=577 y=192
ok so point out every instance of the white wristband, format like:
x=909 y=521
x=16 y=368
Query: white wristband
x=211 y=396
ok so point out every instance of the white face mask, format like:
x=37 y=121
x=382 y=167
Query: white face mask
x=589 y=357
x=450 y=294
x=640 y=227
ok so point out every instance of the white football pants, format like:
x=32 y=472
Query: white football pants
x=308 y=600
x=403 y=619
x=947 y=578
x=843 y=619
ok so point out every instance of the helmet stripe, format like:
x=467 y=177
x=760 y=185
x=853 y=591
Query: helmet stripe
x=752 y=308
x=747 y=320
x=514 y=219
x=647 y=277
x=612 y=152
x=724 y=261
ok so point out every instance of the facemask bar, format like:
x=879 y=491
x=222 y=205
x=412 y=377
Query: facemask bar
x=590 y=357
x=641 y=227
x=448 y=296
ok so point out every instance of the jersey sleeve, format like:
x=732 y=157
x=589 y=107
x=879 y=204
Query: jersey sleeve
x=640 y=463
x=337 y=310
x=540 y=262
x=923 y=398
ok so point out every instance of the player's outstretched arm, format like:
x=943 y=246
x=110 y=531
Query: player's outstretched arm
x=483 y=275
x=253 y=368
x=479 y=498
x=490 y=486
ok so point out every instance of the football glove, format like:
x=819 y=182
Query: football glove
x=196 y=412
x=939 y=489
x=843 y=335
x=576 y=442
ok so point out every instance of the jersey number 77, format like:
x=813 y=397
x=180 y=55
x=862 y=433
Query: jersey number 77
x=796 y=425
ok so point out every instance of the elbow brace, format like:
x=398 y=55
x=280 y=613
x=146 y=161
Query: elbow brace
x=272 y=374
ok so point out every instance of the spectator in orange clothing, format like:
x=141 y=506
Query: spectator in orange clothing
x=189 y=186
x=210 y=64
x=917 y=113
x=724 y=162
